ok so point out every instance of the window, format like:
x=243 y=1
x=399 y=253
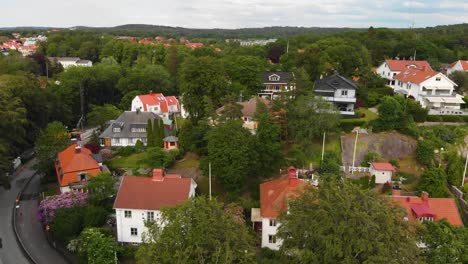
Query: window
x=150 y=216
x=116 y=140
x=272 y=239
x=172 y=144
x=82 y=176
x=274 y=77
x=128 y=214
x=138 y=129
x=133 y=231
x=272 y=222
x=438 y=79
x=116 y=129
x=394 y=74
x=344 y=92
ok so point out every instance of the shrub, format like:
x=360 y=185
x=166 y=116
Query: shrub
x=425 y=152
x=48 y=206
x=67 y=224
x=409 y=178
x=94 y=216
x=106 y=154
x=93 y=147
x=372 y=182
x=395 y=163
x=139 y=147
x=370 y=157
x=126 y=151
x=349 y=124
x=447 y=118
x=387 y=188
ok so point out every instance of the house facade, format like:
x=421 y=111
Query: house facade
x=424 y=208
x=248 y=112
x=277 y=83
x=390 y=68
x=431 y=89
x=140 y=200
x=74 y=167
x=337 y=90
x=128 y=129
x=383 y=172
x=274 y=196
x=163 y=106
x=460 y=65
x=71 y=61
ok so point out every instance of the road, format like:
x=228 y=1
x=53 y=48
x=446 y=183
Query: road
x=29 y=229
x=11 y=252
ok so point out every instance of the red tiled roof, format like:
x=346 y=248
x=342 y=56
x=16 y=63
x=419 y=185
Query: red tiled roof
x=152 y=193
x=154 y=99
x=385 y=166
x=401 y=65
x=415 y=75
x=275 y=193
x=439 y=208
x=70 y=162
x=464 y=64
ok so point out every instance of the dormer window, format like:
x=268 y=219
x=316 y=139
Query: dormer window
x=274 y=78
x=117 y=130
x=426 y=219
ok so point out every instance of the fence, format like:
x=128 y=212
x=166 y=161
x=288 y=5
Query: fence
x=354 y=169
x=463 y=204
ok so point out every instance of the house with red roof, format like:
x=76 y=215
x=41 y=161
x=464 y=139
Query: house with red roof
x=431 y=89
x=140 y=199
x=390 y=68
x=382 y=170
x=274 y=196
x=163 y=106
x=460 y=65
x=74 y=167
x=424 y=208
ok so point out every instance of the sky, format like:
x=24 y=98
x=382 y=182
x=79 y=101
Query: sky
x=234 y=13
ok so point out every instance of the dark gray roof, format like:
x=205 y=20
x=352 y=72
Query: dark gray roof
x=333 y=82
x=171 y=139
x=284 y=77
x=126 y=121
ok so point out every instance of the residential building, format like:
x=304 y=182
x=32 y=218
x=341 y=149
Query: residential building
x=424 y=208
x=431 y=89
x=460 y=65
x=253 y=42
x=140 y=199
x=382 y=171
x=71 y=61
x=276 y=83
x=337 y=90
x=75 y=166
x=171 y=142
x=127 y=129
x=274 y=196
x=390 y=68
x=163 y=106
x=248 y=112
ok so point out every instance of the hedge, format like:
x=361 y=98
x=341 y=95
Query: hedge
x=348 y=124
x=447 y=118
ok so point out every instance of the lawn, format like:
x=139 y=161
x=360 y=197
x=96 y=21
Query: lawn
x=134 y=162
x=368 y=115
x=332 y=144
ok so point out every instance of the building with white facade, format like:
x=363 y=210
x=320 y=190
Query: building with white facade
x=274 y=197
x=71 y=61
x=163 y=106
x=390 y=68
x=337 y=90
x=431 y=89
x=383 y=171
x=277 y=83
x=128 y=129
x=140 y=200
x=460 y=65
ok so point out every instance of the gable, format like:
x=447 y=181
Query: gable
x=274 y=78
x=333 y=83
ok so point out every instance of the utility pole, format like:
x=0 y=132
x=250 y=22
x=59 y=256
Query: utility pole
x=209 y=179
x=464 y=172
x=323 y=145
x=355 y=145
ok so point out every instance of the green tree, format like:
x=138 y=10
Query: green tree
x=150 y=140
x=53 y=139
x=68 y=223
x=330 y=164
x=455 y=168
x=434 y=181
x=309 y=117
x=371 y=156
x=99 y=115
x=445 y=242
x=390 y=115
x=345 y=225
x=156 y=157
x=94 y=247
x=101 y=187
x=231 y=153
x=425 y=152
x=199 y=230
x=145 y=78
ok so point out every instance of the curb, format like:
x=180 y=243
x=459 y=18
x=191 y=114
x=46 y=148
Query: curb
x=13 y=220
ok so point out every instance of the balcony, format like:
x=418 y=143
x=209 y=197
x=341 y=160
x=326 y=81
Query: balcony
x=340 y=99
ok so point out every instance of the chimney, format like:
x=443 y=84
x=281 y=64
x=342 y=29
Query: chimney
x=158 y=175
x=396 y=191
x=424 y=196
x=74 y=141
x=77 y=149
x=151 y=92
x=293 y=180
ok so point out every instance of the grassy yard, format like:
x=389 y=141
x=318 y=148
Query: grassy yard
x=134 y=162
x=332 y=144
x=369 y=115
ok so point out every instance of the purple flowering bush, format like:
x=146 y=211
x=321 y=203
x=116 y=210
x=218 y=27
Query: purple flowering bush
x=48 y=206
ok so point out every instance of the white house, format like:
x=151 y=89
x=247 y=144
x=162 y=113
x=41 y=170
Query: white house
x=390 y=68
x=460 y=65
x=140 y=199
x=157 y=103
x=276 y=83
x=71 y=61
x=337 y=90
x=274 y=196
x=431 y=89
x=383 y=171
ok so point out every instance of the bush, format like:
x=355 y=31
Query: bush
x=94 y=216
x=370 y=157
x=425 y=152
x=387 y=188
x=409 y=178
x=395 y=163
x=48 y=206
x=349 y=124
x=139 y=147
x=127 y=252
x=67 y=225
x=93 y=147
x=447 y=118
x=372 y=182
x=126 y=151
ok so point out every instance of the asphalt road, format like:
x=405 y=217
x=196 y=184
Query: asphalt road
x=11 y=252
